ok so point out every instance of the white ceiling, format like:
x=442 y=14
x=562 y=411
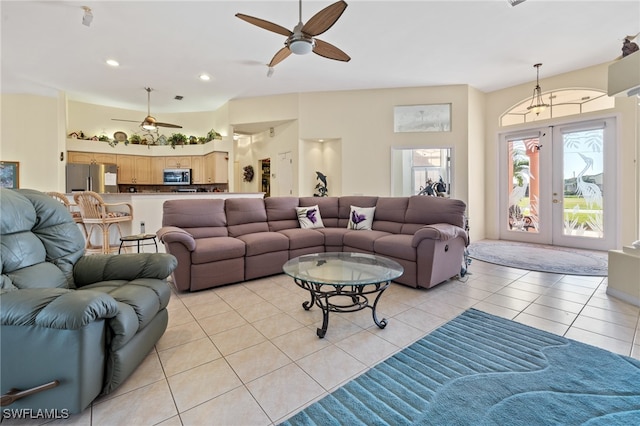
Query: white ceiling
x=166 y=44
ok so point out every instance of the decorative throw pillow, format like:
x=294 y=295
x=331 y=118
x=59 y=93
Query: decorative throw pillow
x=361 y=218
x=309 y=217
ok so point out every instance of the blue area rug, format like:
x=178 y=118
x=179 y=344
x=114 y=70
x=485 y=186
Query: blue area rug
x=540 y=257
x=479 y=369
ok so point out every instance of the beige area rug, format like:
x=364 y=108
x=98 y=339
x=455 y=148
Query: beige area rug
x=539 y=257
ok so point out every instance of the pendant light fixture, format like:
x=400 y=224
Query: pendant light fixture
x=537 y=105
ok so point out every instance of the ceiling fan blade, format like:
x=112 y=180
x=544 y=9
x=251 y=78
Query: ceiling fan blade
x=130 y=121
x=280 y=56
x=173 y=126
x=323 y=20
x=327 y=50
x=270 y=26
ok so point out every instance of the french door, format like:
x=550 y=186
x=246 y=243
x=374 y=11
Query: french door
x=558 y=185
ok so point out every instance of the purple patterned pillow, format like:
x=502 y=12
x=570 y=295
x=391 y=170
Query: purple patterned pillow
x=361 y=218
x=309 y=217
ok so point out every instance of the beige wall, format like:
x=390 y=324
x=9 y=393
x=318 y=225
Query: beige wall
x=359 y=125
x=30 y=135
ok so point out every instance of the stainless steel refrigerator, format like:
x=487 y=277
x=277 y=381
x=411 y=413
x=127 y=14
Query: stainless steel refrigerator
x=100 y=178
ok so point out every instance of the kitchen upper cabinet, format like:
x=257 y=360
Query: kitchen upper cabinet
x=197 y=169
x=181 y=162
x=90 y=157
x=157 y=169
x=134 y=169
x=216 y=167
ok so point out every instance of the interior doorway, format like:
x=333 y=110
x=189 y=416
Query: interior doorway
x=265 y=176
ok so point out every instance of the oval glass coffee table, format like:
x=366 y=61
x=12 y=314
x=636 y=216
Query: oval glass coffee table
x=343 y=282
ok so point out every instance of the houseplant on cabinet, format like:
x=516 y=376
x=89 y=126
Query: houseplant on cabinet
x=177 y=139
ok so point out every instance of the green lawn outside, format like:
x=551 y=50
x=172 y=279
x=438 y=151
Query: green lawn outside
x=570 y=202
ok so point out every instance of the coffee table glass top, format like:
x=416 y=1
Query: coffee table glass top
x=342 y=268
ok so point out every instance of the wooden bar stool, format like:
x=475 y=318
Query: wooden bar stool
x=96 y=213
x=73 y=209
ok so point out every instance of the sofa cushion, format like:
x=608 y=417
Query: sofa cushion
x=281 y=212
x=427 y=210
x=217 y=248
x=361 y=218
x=264 y=242
x=363 y=240
x=397 y=246
x=390 y=213
x=333 y=236
x=328 y=207
x=201 y=218
x=309 y=217
x=303 y=238
x=246 y=216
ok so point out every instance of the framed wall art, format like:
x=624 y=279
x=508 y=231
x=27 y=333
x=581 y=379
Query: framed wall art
x=422 y=118
x=10 y=174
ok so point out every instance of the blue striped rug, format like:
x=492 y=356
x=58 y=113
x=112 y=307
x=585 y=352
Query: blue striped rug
x=479 y=369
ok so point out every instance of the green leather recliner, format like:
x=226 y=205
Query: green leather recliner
x=77 y=324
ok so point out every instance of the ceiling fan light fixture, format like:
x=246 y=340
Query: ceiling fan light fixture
x=149 y=123
x=537 y=104
x=301 y=46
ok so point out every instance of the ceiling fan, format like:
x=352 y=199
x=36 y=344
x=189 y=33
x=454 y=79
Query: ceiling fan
x=149 y=122
x=302 y=39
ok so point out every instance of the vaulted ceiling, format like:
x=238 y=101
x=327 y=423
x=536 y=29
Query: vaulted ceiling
x=166 y=45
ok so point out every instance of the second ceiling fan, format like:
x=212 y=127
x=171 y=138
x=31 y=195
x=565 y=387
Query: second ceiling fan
x=302 y=39
x=149 y=122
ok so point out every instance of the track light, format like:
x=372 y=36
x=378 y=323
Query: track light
x=88 y=16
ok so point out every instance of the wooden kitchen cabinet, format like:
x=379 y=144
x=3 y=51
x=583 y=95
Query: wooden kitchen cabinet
x=134 y=169
x=157 y=169
x=197 y=169
x=178 y=162
x=216 y=167
x=80 y=157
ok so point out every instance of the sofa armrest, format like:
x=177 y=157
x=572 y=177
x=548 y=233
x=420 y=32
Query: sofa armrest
x=439 y=231
x=55 y=308
x=129 y=266
x=173 y=234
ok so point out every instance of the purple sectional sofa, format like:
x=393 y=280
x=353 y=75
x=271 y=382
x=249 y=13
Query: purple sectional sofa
x=220 y=242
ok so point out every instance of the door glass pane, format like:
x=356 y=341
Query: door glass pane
x=583 y=161
x=523 y=214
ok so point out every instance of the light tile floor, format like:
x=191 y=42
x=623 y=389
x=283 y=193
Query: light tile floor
x=248 y=354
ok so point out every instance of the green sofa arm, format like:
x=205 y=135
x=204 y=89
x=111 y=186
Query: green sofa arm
x=131 y=266
x=55 y=308
x=173 y=234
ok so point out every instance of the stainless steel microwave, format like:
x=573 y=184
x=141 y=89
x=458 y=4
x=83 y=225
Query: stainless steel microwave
x=177 y=176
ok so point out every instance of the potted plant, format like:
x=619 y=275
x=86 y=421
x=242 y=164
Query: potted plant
x=213 y=135
x=177 y=139
x=135 y=139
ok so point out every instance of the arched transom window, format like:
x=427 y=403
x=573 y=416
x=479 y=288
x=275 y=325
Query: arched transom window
x=561 y=103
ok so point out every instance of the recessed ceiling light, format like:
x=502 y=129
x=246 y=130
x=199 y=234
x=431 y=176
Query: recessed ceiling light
x=113 y=62
x=204 y=77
